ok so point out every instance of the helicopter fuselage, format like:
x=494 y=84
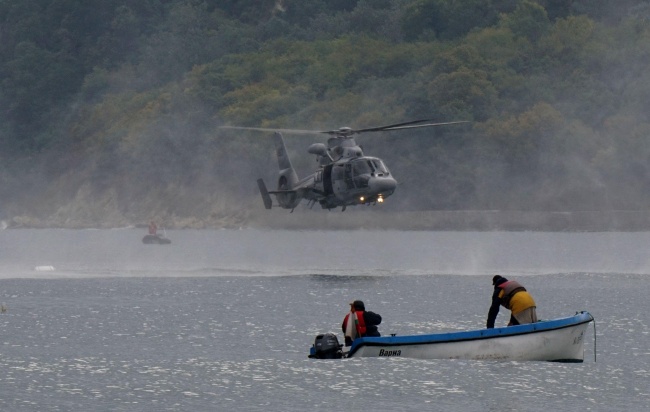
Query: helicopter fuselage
x=345 y=178
x=346 y=182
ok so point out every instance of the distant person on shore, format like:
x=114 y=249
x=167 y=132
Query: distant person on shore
x=359 y=323
x=153 y=228
x=513 y=296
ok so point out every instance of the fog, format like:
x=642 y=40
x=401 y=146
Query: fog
x=558 y=138
x=116 y=253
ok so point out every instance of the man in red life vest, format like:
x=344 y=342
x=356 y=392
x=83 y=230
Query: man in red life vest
x=359 y=323
x=513 y=296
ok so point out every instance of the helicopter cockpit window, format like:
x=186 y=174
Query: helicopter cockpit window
x=362 y=167
x=380 y=168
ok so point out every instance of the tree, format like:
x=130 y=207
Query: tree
x=529 y=20
x=463 y=94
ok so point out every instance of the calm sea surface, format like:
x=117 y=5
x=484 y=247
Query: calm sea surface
x=223 y=320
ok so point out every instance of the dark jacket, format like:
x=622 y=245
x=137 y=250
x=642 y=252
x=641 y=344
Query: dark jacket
x=496 y=302
x=372 y=320
x=510 y=288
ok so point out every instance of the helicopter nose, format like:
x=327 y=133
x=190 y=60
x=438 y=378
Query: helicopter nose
x=383 y=185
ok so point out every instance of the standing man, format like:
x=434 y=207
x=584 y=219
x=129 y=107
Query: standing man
x=359 y=323
x=153 y=228
x=513 y=296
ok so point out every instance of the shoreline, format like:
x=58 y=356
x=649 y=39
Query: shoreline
x=306 y=219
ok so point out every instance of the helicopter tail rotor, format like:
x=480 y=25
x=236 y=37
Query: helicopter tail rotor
x=286 y=195
x=266 y=198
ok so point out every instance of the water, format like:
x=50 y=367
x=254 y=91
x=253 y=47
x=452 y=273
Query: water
x=222 y=320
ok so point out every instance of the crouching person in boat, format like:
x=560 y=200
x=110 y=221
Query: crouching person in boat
x=359 y=323
x=513 y=296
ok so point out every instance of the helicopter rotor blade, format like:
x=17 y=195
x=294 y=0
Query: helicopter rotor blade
x=346 y=131
x=408 y=125
x=262 y=129
x=390 y=126
x=427 y=125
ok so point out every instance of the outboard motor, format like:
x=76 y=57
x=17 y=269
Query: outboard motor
x=326 y=346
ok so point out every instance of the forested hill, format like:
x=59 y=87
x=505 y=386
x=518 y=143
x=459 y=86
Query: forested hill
x=109 y=109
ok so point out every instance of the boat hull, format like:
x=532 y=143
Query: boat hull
x=559 y=340
x=155 y=240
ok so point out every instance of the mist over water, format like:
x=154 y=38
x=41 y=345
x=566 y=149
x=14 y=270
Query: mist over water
x=119 y=252
x=223 y=320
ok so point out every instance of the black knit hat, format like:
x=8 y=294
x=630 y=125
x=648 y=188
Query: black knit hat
x=497 y=280
x=358 y=305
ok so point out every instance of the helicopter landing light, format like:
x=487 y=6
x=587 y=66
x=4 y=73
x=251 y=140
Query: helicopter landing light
x=380 y=199
x=362 y=199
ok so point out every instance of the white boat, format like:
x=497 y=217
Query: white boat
x=557 y=340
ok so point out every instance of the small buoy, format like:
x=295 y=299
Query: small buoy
x=44 y=268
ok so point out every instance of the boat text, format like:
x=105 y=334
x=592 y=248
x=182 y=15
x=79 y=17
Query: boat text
x=578 y=339
x=383 y=352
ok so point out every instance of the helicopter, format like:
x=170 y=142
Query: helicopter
x=346 y=177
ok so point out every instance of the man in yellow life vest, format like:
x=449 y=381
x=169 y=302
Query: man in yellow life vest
x=513 y=296
x=359 y=323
